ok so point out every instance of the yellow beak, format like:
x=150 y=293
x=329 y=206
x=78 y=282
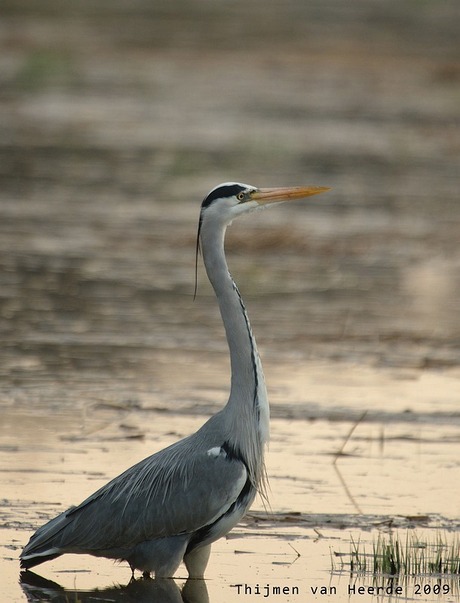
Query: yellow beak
x=275 y=195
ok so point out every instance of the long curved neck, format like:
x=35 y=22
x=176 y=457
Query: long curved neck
x=247 y=407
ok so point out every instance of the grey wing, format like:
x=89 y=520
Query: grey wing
x=175 y=491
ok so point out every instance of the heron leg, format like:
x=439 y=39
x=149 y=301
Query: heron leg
x=132 y=572
x=161 y=556
x=197 y=560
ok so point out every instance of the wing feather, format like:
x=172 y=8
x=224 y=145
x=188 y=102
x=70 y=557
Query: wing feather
x=175 y=491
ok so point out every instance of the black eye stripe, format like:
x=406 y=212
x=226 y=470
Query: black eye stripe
x=229 y=190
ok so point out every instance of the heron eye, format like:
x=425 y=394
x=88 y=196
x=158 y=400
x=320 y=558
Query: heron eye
x=240 y=196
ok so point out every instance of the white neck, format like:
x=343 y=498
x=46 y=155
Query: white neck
x=247 y=408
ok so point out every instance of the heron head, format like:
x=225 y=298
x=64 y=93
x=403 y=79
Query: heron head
x=231 y=199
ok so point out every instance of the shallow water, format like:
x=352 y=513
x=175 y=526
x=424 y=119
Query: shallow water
x=398 y=471
x=114 y=124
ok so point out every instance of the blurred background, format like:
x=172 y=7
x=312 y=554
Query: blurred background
x=117 y=117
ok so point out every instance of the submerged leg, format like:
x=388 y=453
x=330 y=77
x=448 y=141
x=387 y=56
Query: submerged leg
x=161 y=556
x=197 y=560
x=132 y=571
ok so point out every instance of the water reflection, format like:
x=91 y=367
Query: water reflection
x=36 y=588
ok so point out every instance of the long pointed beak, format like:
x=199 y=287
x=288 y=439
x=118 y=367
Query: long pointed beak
x=277 y=195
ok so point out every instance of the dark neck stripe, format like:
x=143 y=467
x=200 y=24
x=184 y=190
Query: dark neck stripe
x=253 y=351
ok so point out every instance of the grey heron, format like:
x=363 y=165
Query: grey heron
x=171 y=506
